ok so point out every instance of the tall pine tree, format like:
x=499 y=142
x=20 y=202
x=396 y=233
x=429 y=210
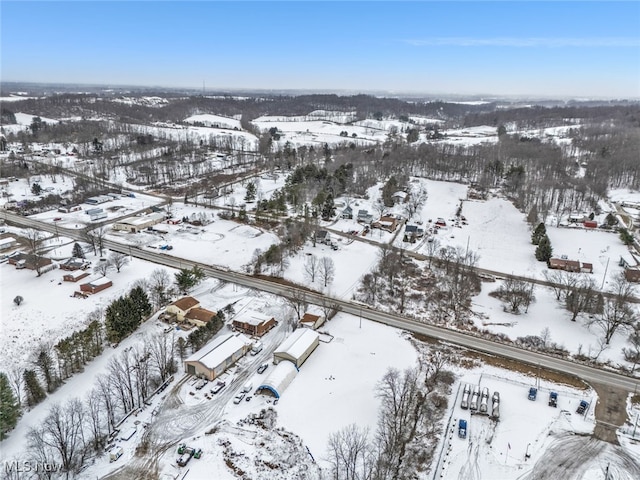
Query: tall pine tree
x=544 y=251
x=9 y=407
x=538 y=233
x=34 y=391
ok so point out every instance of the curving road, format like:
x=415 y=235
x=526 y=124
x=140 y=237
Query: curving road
x=586 y=372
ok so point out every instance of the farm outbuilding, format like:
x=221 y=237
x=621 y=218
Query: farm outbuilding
x=75 y=275
x=254 y=323
x=278 y=380
x=297 y=347
x=218 y=355
x=96 y=285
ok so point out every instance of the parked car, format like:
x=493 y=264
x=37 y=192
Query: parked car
x=464 y=404
x=475 y=397
x=533 y=393
x=238 y=398
x=263 y=367
x=553 y=399
x=583 y=407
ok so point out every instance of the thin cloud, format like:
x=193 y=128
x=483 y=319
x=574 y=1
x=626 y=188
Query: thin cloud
x=524 y=42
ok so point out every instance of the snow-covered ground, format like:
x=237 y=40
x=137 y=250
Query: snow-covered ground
x=217 y=121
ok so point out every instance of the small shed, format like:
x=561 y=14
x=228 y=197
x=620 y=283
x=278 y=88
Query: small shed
x=632 y=275
x=297 y=347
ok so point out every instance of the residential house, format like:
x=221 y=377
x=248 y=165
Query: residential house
x=365 y=217
x=253 y=323
x=7 y=242
x=387 y=223
x=399 y=197
x=347 y=213
x=181 y=307
x=573 y=266
x=74 y=263
x=323 y=236
x=412 y=233
x=30 y=261
x=310 y=320
x=199 y=317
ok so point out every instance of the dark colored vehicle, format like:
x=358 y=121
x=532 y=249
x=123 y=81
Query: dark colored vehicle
x=533 y=393
x=462 y=428
x=553 y=399
x=582 y=408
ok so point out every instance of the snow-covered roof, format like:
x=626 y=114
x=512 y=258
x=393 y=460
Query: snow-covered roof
x=154 y=217
x=280 y=378
x=253 y=318
x=298 y=342
x=76 y=274
x=99 y=281
x=219 y=350
x=7 y=241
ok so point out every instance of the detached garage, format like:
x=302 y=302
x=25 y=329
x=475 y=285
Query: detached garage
x=297 y=347
x=278 y=380
x=218 y=355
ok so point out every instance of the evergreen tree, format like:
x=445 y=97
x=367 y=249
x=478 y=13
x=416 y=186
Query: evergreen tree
x=121 y=319
x=329 y=208
x=184 y=280
x=250 y=196
x=538 y=233
x=9 y=407
x=77 y=251
x=626 y=237
x=141 y=302
x=544 y=251
x=34 y=391
x=45 y=364
x=36 y=189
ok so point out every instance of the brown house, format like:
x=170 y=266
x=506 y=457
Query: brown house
x=310 y=320
x=96 y=285
x=254 y=323
x=199 y=317
x=74 y=264
x=180 y=307
x=75 y=275
x=386 y=223
x=567 y=265
x=30 y=261
x=632 y=274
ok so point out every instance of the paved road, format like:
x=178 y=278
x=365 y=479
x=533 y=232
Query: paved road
x=586 y=372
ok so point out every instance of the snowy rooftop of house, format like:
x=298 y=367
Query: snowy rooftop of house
x=297 y=342
x=185 y=303
x=253 y=318
x=218 y=350
x=76 y=274
x=7 y=241
x=99 y=281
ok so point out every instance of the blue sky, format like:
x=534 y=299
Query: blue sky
x=542 y=48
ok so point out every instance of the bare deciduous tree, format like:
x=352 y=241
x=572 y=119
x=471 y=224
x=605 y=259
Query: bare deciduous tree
x=102 y=268
x=160 y=283
x=327 y=270
x=349 y=454
x=617 y=311
x=118 y=260
x=311 y=266
x=515 y=293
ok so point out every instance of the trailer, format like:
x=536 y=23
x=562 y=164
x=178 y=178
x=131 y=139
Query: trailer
x=495 y=405
x=484 y=400
x=127 y=434
x=115 y=454
x=474 y=398
x=464 y=404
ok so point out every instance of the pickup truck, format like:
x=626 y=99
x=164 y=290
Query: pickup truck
x=582 y=408
x=462 y=428
x=218 y=386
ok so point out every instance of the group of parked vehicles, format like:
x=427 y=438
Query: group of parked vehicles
x=478 y=400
